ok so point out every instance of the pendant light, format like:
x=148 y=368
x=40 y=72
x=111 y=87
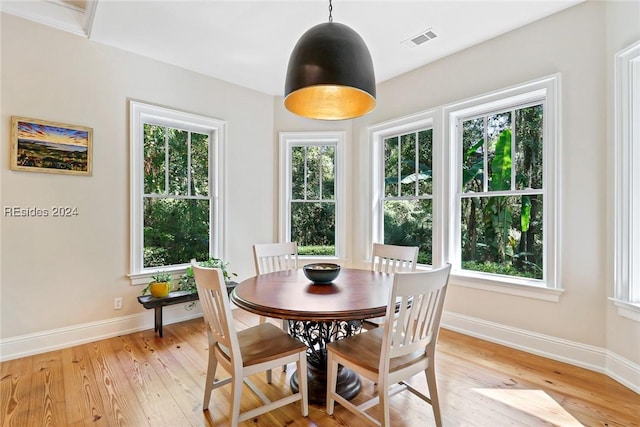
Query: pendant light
x=330 y=74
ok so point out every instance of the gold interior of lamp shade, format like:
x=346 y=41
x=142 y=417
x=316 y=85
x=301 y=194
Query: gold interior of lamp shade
x=329 y=102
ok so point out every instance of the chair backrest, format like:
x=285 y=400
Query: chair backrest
x=417 y=323
x=216 y=309
x=271 y=257
x=393 y=258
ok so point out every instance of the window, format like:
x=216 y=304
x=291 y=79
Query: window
x=403 y=182
x=501 y=202
x=627 y=206
x=502 y=190
x=312 y=213
x=175 y=185
x=478 y=191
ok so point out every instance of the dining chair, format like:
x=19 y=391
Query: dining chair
x=391 y=259
x=392 y=354
x=272 y=257
x=244 y=353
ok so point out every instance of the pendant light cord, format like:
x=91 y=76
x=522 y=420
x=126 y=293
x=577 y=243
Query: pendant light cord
x=330 y=10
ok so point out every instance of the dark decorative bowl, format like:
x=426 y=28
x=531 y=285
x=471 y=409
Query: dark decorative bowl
x=321 y=273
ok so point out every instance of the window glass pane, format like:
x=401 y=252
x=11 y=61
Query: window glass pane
x=313 y=173
x=499 y=151
x=528 y=158
x=154 y=159
x=391 y=167
x=199 y=164
x=473 y=155
x=425 y=154
x=313 y=227
x=408 y=164
x=409 y=223
x=178 y=161
x=175 y=231
x=297 y=173
x=503 y=235
x=328 y=173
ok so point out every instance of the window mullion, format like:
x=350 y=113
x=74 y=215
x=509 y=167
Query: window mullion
x=416 y=166
x=189 y=164
x=399 y=168
x=321 y=154
x=166 y=160
x=513 y=150
x=176 y=196
x=485 y=155
x=306 y=172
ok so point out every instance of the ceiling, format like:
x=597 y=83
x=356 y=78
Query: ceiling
x=249 y=42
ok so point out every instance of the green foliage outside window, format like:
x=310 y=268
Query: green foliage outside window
x=407 y=205
x=176 y=207
x=313 y=226
x=175 y=231
x=503 y=234
x=317 y=250
x=313 y=204
x=409 y=223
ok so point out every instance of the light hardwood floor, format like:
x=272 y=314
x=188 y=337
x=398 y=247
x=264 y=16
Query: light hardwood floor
x=142 y=380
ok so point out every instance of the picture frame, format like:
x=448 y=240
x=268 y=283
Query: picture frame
x=51 y=147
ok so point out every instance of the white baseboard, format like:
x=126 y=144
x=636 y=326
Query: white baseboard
x=623 y=371
x=586 y=356
x=55 y=339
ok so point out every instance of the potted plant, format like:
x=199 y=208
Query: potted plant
x=188 y=283
x=160 y=285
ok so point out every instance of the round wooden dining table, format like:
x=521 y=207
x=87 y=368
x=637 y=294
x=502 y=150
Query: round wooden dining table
x=318 y=314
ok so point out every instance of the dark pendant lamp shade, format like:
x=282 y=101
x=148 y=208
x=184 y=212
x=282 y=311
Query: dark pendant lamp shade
x=330 y=74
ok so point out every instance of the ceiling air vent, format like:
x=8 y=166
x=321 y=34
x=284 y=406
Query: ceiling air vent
x=420 y=38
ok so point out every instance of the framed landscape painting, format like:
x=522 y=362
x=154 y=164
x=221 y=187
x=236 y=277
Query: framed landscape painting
x=43 y=146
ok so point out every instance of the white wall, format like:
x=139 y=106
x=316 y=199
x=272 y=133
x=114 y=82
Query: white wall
x=581 y=328
x=623 y=29
x=57 y=273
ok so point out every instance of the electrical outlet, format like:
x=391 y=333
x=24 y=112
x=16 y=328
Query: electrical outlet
x=117 y=303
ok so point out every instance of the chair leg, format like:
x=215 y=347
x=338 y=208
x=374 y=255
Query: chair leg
x=332 y=376
x=302 y=381
x=211 y=376
x=285 y=327
x=262 y=320
x=433 y=392
x=383 y=394
x=236 y=396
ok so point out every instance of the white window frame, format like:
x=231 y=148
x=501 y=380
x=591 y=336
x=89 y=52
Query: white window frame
x=139 y=114
x=377 y=135
x=296 y=139
x=627 y=182
x=547 y=91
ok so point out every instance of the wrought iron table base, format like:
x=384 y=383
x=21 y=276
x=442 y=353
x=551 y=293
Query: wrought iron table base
x=316 y=335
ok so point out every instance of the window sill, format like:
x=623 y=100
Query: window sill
x=144 y=277
x=627 y=309
x=508 y=287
